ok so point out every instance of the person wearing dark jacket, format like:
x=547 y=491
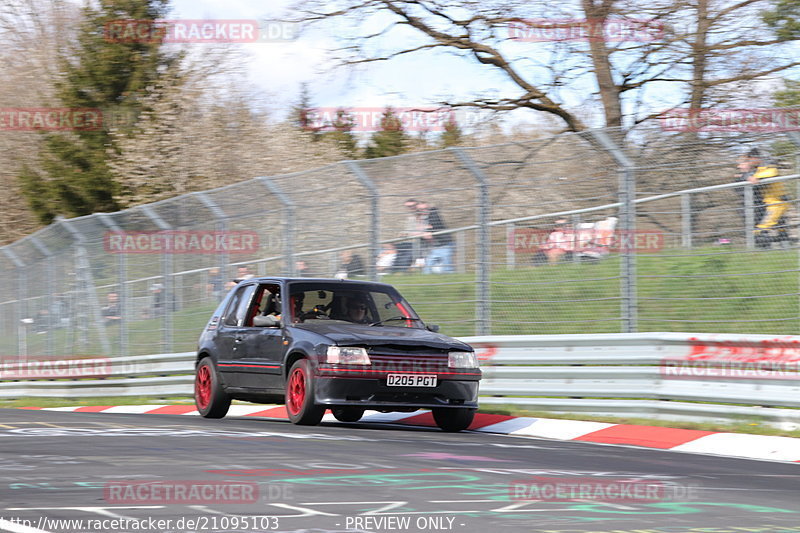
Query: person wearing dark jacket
x=440 y=256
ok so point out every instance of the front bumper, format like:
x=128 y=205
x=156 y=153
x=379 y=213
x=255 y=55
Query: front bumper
x=373 y=393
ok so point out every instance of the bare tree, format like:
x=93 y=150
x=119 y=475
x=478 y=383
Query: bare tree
x=31 y=32
x=691 y=52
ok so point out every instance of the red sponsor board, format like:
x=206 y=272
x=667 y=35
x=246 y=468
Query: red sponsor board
x=575 y=29
x=766 y=359
x=53 y=367
x=50 y=119
x=751 y=120
x=180 y=242
x=181 y=31
x=565 y=489
x=182 y=492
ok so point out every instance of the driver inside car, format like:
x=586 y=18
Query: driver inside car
x=356 y=309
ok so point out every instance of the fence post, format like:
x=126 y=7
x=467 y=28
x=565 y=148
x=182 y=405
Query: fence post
x=749 y=217
x=222 y=224
x=794 y=137
x=686 y=221
x=167 y=272
x=511 y=255
x=375 y=230
x=50 y=274
x=575 y=221
x=288 y=221
x=461 y=252
x=84 y=275
x=124 y=292
x=627 y=199
x=22 y=288
x=483 y=242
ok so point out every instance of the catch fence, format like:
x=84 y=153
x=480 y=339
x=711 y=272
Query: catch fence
x=660 y=235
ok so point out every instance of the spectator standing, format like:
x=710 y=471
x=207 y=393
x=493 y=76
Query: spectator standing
x=350 y=264
x=157 y=290
x=301 y=269
x=413 y=253
x=440 y=254
x=770 y=198
x=215 y=284
x=386 y=259
x=111 y=312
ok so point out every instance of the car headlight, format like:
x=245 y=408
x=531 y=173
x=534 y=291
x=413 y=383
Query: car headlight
x=347 y=355
x=462 y=360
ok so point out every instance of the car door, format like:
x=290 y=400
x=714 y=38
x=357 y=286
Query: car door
x=262 y=346
x=230 y=338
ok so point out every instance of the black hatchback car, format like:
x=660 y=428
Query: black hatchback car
x=342 y=345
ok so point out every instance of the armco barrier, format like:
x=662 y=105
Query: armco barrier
x=653 y=375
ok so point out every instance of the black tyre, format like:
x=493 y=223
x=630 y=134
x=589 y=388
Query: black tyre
x=300 y=396
x=453 y=420
x=209 y=397
x=348 y=414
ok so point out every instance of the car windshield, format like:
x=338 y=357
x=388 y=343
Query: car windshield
x=350 y=302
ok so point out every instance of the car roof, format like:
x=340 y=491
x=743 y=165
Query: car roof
x=325 y=280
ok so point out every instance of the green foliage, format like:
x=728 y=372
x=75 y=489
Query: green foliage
x=73 y=177
x=390 y=140
x=302 y=115
x=342 y=134
x=784 y=19
x=452 y=136
x=789 y=96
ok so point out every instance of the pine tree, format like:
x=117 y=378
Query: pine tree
x=789 y=96
x=342 y=134
x=105 y=74
x=390 y=140
x=452 y=135
x=784 y=19
x=303 y=115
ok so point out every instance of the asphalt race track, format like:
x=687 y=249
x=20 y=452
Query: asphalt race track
x=117 y=472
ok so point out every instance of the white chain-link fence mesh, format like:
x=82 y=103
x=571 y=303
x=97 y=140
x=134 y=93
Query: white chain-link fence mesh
x=542 y=237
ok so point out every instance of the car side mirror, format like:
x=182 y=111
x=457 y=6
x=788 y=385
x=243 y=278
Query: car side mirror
x=433 y=327
x=266 y=321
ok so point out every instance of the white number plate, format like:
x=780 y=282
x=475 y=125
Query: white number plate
x=411 y=380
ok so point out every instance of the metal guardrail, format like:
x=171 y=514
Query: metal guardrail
x=603 y=374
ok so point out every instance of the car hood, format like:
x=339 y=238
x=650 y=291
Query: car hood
x=344 y=334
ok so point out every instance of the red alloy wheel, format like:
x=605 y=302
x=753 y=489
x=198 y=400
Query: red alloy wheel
x=297 y=391
x=202 y=386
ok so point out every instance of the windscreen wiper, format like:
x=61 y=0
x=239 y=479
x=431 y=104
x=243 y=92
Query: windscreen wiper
x=379 y=322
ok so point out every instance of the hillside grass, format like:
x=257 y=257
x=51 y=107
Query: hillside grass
x=720 y=290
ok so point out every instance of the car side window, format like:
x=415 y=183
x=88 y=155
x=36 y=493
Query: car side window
x=237 y=311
